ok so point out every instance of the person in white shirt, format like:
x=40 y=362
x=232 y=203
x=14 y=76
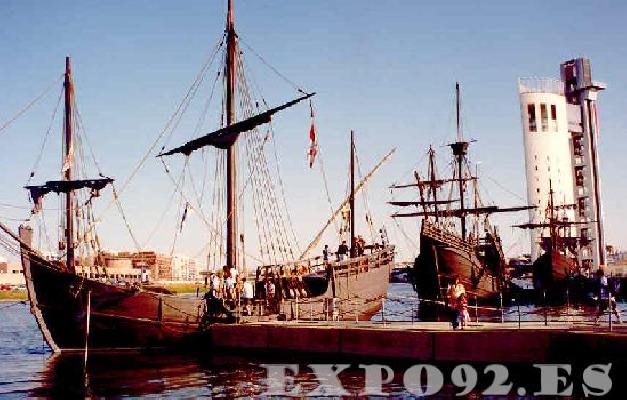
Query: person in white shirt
x=248 y=294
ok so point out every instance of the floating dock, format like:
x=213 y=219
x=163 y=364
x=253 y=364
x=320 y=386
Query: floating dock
x=426 y=341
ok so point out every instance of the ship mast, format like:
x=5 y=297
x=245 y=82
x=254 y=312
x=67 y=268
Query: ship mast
x=352 y=195
x=231 y=209
x=67 y=167
x=552 y=226
x=460 y=148
x=432 y=178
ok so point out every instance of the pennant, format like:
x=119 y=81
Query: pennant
x=313 y=144
x=184 y=216
x=69 y=159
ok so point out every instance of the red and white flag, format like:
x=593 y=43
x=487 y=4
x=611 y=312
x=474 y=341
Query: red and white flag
x=313 y=144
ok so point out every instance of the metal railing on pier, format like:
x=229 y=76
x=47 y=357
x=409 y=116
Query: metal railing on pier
x=406 y=310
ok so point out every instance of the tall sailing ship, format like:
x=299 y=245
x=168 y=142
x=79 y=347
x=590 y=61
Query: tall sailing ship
x=472 y=252
x=557 y=267
x=78 y=306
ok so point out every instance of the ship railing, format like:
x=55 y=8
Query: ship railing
x=444 y=236
x=377 y=258
x=306 y=309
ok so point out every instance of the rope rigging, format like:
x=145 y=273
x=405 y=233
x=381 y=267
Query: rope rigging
x=28 y=105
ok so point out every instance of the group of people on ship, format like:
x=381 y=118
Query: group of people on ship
x=357 y=249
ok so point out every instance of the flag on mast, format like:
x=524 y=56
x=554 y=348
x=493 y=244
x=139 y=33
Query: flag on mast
x=313 y=144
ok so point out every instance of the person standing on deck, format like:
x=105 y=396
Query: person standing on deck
x=248 y=296
x=325 y=254
x=361 y=245
x=342 y=251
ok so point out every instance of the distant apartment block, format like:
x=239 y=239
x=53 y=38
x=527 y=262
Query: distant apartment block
x=11 y=274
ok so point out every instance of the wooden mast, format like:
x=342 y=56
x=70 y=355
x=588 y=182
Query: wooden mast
x=433 y=177
x=352 y=197
x=231 y=209
x=67 y=167
x=460 y=147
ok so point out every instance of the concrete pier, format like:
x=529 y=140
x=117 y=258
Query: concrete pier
x=437 y=342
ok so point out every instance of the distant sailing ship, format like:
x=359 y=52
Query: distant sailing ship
x=475 y=257
x=76 y=310
x=557 y=267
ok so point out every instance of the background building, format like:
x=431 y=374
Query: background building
x=10 y=274
x=560 y=128
x=184 y=268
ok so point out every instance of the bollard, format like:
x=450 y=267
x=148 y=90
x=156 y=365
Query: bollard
x=568 y=306
x=546 y=317
x=501 y=303
x=609 y=311
x=518 y=306
x=87 y=323
x=382 y=312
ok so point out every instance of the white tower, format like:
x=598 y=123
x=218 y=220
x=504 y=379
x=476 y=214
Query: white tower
x=560 y=127
x=548 y=155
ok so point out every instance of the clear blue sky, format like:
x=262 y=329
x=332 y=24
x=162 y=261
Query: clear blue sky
x=384 y=68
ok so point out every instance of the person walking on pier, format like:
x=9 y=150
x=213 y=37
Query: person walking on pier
x=605 y=298
x=454 y=293
x=462 y=310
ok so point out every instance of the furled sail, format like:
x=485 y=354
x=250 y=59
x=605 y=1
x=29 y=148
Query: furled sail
x=420 y=203
x=225 y=137
x=460 y=212
x=38 y=192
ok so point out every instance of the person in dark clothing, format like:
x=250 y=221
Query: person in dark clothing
x=605 y=297
x=342 y=250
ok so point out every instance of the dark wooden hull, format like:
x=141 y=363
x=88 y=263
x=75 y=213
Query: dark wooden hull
x=445 y=257
x=358 y=286
x=119 y=317
x=132 y=318
x=556 y=280
x=552 y=268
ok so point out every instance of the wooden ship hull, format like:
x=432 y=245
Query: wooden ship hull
x=556 y=279
x=133 y=318
x=444 y=256
x=358 y=286
x=119 y=317
x=552 y=267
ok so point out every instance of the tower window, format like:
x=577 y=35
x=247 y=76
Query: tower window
x=554 y=116
x=582 y=206
x=531 y=114
x=579 y=177
x=544 y=117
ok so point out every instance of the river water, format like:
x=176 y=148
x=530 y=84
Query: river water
x=29 y=369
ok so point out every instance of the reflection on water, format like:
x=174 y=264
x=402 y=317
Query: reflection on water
x=28 y=369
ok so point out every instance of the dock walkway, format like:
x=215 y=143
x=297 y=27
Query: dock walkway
x=430 y=341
